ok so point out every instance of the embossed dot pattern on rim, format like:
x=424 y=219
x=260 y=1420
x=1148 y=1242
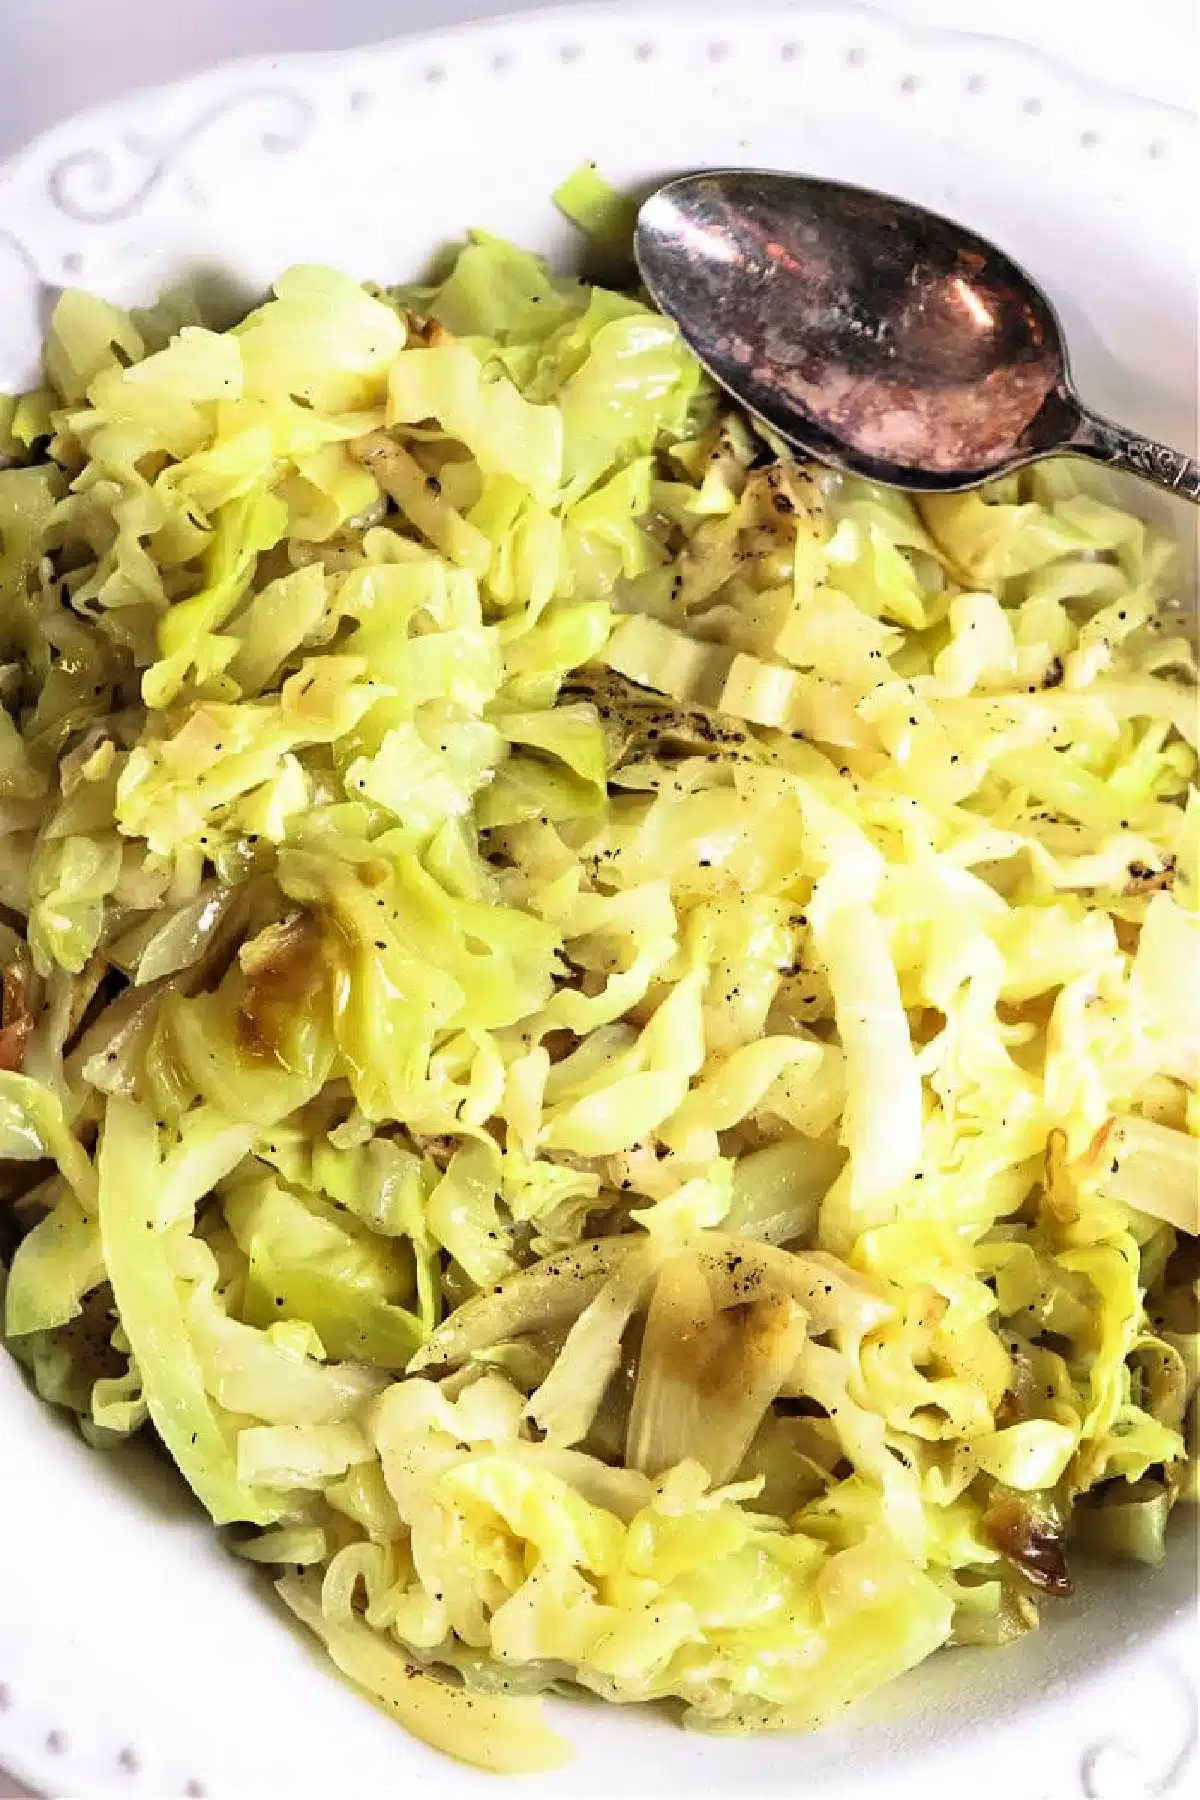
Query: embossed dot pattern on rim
x=138 y=181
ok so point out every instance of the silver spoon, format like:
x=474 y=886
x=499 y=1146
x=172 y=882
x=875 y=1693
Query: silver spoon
x=880 y=337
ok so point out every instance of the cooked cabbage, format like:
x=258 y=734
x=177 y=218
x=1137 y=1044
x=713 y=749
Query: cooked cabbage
x=599 y=1026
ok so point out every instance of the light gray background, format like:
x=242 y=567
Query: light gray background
x=57 y=56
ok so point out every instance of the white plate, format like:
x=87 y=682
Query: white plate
x=136 y=1659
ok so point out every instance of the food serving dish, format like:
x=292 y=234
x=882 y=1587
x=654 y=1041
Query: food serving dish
x=177 y=1678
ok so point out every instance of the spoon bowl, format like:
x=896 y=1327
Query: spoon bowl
x=878 y=336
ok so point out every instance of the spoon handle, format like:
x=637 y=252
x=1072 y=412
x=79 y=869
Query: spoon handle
x=1123 y=449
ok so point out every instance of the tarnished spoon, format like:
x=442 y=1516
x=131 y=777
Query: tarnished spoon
x=880 y=337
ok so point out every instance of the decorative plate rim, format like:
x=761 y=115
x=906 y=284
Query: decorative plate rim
x=578 y=18
x=574 y=20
